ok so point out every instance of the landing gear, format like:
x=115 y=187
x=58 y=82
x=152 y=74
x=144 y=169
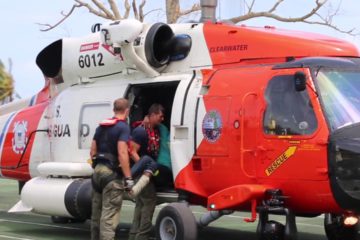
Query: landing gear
x=176 y=222
x=336 y=230
x=272 y=230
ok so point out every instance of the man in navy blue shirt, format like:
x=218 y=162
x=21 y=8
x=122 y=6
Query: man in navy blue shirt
x=109 y=152
x=145 y=143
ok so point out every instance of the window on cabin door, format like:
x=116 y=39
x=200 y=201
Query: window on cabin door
x=90 y=116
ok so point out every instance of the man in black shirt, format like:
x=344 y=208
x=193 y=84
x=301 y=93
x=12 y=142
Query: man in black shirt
x=145 y=143
x=109 y=152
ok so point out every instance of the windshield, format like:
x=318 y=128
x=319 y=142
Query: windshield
x=339 y=91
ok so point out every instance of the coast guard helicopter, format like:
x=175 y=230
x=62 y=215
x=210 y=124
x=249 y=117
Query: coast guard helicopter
x=261 y=120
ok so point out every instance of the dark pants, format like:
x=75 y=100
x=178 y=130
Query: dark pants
x=163 y=180
x=145 y=163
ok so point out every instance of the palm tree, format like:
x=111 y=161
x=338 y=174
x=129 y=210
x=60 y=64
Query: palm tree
x=6 y=85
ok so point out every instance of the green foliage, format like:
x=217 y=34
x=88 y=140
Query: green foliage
x=6 y=83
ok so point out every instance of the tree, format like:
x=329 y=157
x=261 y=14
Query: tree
x=6 y=85
x=110 y=10
x=313 y=16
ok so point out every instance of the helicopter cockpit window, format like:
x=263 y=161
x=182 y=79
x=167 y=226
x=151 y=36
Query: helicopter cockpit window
x=288 y=112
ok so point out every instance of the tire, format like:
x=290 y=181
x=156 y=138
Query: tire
x=176 y=222
x=273 y=231
x=60 y=220
x=336 y=230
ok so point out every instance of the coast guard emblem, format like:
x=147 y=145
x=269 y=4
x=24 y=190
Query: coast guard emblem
x=19 y=140
x=212 y=126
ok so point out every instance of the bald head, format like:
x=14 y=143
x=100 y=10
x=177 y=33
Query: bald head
x=121 y=105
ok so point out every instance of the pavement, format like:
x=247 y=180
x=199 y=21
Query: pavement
x=29 y=226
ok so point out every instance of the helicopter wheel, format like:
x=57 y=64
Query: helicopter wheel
x=176 y=222
x=273 y=230
x=336 y=230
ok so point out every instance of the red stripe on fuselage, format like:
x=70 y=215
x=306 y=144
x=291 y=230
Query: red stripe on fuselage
x=17 y=136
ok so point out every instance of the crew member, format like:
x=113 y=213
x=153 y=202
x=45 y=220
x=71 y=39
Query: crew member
x=109 y=152
x=145 y=144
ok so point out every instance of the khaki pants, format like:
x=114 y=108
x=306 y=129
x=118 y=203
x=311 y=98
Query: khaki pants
x=144 y=211
x=106 y=206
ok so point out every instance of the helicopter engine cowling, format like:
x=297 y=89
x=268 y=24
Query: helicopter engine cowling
x=116 y=48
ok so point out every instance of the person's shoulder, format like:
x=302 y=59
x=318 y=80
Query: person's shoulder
x=139 y=131
x=98 y=128
x=97 y=132
x=122 y=125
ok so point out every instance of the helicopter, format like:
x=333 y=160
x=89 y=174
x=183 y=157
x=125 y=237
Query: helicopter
x=262 y=120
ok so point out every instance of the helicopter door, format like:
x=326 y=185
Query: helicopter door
x=291 y=148
x=183 y=130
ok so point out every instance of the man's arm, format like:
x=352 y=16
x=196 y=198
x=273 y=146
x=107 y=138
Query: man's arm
x=93 y=148
x=139 y=138
x=134 y=151
x=124 y=158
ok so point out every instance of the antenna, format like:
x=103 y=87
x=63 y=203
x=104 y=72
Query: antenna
x=208 y=10
x=220 y=10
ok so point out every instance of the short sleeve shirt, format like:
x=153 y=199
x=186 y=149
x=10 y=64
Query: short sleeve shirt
x=107 y=137
x=140 y=136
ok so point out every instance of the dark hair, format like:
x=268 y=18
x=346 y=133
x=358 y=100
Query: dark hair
x=156 y=109
x=120 y=105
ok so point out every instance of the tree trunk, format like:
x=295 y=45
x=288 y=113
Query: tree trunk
x=172 y=10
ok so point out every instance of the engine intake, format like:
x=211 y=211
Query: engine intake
x=50 y=58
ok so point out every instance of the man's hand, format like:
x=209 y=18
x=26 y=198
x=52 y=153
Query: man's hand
x=146 y=121
x=129 y=183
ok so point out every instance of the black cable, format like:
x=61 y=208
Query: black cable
x=23 y=153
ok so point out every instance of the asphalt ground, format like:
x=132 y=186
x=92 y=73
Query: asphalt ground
x=28 y=226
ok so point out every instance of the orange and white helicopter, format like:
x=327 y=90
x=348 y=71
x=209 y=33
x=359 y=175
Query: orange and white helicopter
x=261 y=119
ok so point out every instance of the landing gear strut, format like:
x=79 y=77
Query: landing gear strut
x=273 y=230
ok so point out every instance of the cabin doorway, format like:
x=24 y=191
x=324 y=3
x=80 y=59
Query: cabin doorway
x=141 y=97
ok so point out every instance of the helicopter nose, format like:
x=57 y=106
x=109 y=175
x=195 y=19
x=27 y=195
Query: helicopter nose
x=344 y=167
